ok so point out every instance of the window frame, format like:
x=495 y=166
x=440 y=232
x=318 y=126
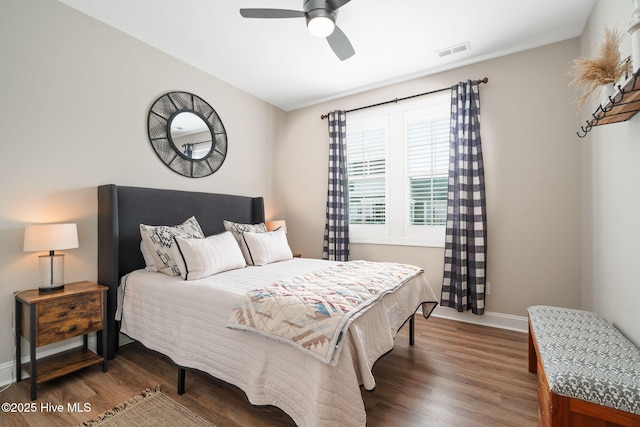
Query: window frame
x=397 y=229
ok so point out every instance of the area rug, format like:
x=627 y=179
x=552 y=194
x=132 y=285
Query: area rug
x=149 y=408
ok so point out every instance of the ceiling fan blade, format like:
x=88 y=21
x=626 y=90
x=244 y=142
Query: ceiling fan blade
x=271 y=13
x=336 y=4
x=340 y=44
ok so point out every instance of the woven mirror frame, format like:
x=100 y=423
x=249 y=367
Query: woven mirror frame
x=194 y=154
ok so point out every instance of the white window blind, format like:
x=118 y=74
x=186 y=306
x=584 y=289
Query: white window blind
x=427 y=170
x=398 y=159
x=367 y=165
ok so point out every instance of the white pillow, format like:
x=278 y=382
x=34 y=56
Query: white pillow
x=204 y=257
x=268 y=247
x=159 y=239
x=237 y=229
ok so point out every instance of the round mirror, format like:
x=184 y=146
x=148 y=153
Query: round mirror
x=187 y=134
x=190 y=135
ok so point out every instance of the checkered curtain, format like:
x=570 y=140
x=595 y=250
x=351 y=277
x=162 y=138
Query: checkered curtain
x=465 y=252
x=336 y=230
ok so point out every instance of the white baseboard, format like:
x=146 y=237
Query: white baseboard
x=496 y=320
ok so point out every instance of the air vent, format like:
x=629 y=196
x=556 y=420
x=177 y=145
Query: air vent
x=453 y=49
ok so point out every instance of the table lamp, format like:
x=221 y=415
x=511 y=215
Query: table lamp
x=50 y=237
x=275 y=224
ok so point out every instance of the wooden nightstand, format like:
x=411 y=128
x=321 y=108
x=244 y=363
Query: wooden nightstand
x=51 y=317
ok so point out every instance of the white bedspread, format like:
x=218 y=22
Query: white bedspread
x=186 y=320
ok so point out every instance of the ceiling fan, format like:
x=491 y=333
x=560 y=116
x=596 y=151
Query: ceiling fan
x=321 y=21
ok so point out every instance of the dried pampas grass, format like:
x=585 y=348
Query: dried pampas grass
x=590 y=74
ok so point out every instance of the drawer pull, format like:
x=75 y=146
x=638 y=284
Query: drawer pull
x=72 y=306
x=72 y=328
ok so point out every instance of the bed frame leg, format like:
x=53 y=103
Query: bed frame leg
x=412 y=330
x=181 y=376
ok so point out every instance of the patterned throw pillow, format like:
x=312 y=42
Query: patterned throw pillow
x=159 y=239
x=237 y=229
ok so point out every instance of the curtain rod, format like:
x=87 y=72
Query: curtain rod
x=324 y=116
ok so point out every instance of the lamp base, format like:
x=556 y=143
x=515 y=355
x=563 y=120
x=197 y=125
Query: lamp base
x=47 y=289
x=51 y=272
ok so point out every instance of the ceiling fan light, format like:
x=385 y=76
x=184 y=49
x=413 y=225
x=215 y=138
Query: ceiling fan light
x=321 y=26
x=321 y=22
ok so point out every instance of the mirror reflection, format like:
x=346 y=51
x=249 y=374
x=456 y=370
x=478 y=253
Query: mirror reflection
x=190 y=135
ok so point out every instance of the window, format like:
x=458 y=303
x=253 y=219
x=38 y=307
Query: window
x=398 y=160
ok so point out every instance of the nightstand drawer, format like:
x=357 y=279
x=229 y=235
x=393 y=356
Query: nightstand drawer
x=68 y=317
x=72 y=306
x=68 y=328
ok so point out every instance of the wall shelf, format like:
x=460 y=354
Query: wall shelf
x=620 y=107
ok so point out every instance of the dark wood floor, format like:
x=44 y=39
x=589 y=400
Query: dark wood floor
x=457 y=374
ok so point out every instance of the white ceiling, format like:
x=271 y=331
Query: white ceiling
x=278 y=61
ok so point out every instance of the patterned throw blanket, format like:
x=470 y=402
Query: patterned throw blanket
x=312 y=311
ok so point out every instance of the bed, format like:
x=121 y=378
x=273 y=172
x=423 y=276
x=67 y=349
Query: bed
x=188 y=320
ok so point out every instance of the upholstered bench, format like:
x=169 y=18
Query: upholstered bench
x=588 y=373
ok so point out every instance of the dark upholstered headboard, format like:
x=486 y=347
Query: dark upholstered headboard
x=122 y=209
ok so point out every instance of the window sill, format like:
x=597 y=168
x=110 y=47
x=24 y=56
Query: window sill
x=431 y=243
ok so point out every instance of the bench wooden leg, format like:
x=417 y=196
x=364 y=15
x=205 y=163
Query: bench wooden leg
x=533 y=358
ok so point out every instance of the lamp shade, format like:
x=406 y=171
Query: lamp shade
x=275 y=224
x=50 y=237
